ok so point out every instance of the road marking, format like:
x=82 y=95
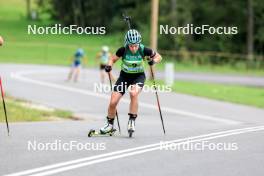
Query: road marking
x=21 y=76
x=73 y=164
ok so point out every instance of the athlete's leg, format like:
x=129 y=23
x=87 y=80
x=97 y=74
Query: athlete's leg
x=102 y=76
x=119 y=90
x=109 y=125
x=115 y=97
x=134 y=92
x=77 y=73
x=71 y=73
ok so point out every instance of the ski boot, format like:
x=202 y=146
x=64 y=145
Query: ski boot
x=107 y=129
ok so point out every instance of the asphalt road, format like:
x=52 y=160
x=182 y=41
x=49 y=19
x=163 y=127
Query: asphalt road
x=188 y=120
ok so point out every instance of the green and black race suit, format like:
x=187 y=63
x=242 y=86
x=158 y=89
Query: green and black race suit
x=134 y=62
x=132 y=68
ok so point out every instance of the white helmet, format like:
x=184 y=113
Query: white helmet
x=132 y=37
x=105 y=48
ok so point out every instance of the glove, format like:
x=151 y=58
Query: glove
x=151 y=62
x=108 y=68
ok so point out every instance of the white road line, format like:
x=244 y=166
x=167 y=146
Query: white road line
x=21 y=76
x=73 y=164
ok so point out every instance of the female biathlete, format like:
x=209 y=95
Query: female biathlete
x=103 y=58
x=132 y=77
x=76 y=64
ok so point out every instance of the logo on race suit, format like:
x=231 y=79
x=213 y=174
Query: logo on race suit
x=134 y=65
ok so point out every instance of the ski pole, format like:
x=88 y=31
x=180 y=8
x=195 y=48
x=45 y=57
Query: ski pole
x=4 y=105
x=116 y=110
x=157 y=97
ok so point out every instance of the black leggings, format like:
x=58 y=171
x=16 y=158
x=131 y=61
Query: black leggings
x=126 y=79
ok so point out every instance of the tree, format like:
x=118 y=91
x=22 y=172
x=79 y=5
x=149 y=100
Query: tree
x=250 y=30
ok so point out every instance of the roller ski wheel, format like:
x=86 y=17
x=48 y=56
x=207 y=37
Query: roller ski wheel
x=98 y=133
x=130 y=133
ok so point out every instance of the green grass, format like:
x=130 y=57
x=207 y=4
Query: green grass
x=17 y=112
x=251 y=96
x=19 y=47
x=238 y=69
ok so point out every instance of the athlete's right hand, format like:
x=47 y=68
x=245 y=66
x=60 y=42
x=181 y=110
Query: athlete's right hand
x=108 y=68
x=151 y=62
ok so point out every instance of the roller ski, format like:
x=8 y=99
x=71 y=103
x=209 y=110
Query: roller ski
x=106 y=130
x=131 y=124
x=99 y=133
